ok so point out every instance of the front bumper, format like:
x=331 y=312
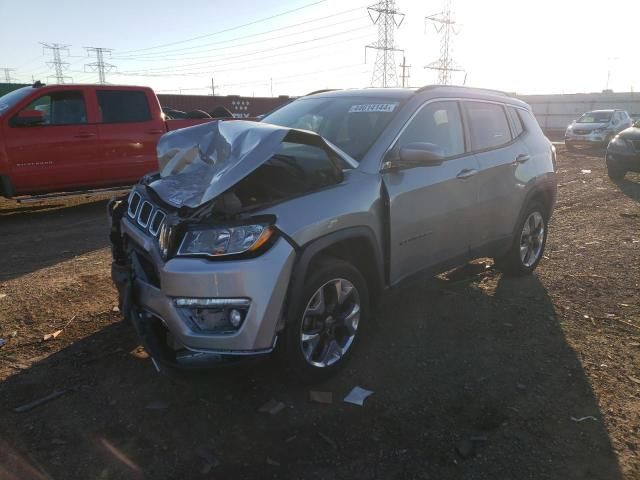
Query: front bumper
x=589 y=139
x=149 y=300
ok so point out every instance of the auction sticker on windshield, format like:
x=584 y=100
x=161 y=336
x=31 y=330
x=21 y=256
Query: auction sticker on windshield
x=373 y=107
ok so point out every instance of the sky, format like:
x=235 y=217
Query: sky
x=292 y=47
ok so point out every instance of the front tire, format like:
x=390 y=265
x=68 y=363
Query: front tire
x=327 y=322
x=528 y=244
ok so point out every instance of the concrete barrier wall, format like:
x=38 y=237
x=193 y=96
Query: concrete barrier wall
x=555 y=112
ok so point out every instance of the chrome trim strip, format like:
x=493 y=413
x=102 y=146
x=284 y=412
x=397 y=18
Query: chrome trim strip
x=140 y=222
x=155 y=231
x=212 y=302
x=133 y=195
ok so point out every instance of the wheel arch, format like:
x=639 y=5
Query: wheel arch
x=355 y=245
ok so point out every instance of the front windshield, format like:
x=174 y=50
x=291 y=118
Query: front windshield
x=350 y=123
x=595 y=117
x=10 y=99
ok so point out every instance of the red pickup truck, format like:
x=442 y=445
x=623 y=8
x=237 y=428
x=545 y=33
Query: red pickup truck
x=62 y=138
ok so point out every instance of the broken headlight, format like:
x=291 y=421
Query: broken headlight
x=222 y=241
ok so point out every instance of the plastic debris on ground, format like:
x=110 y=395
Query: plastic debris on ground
x=320 y=397
x=51 y=336
x=41 y=401
x=582 y=419
x=357 y=396
x=272 y=406
x=585 y=171
x=3 y=342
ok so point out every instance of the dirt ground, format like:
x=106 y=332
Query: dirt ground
x=476 y=376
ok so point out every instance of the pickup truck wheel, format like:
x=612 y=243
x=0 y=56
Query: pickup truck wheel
x=528 y=243
x=324 y=328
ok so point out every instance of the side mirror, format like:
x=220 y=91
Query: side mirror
x=419 y=154
x=416 y=154
x=28 y=118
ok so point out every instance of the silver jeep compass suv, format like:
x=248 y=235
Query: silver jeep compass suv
x=282 y=234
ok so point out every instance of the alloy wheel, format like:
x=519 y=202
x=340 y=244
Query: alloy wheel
x=531 y=239
x=330 y=323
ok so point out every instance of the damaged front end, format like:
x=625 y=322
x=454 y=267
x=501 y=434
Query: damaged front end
x=184 y=241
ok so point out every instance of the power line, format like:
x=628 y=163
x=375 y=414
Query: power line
x=207 y=65
x=244 y=67
x=169 y=53
x=226 y=29
x=99 y=65
x=445 y=25
x=164 y=58
x=384 y=70
x=57 y=64
x=7 y=74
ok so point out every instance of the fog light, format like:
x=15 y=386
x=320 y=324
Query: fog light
x=235 y=318
x=222 y=316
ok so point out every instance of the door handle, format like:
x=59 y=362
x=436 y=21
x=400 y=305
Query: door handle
x=522 y=158
x=85 y=135
x=466 y=173
x=155 y=131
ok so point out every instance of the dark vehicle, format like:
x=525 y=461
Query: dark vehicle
x=173 y=114
x=623 y=153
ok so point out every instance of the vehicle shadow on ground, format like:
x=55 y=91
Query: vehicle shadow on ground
x=473 y=378
x=630 y=187
x=55 y=234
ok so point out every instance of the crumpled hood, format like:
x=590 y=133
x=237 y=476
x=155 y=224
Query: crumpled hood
x=199 y=163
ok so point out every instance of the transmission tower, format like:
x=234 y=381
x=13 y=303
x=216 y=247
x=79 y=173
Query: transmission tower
x=7 y=74
x=99 y=65
x=388 y=18
x=57 y=64
x=445 y=25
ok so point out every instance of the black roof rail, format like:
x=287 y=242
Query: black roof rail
x=489 y=90
x=320 y=91
x=38 y=84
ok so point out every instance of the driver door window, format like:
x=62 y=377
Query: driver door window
x=61 y=108
x=438 y=123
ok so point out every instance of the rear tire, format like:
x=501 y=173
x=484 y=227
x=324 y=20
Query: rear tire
x=326 y=322
x=528 y=244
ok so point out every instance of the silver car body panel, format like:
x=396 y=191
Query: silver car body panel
x=264 y=281
x=418 y=216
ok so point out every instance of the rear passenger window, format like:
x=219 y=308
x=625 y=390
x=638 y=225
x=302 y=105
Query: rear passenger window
x=61 y=108
x=488 y=125
x=123 y=106
x=516 y=122
x=438 y=123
